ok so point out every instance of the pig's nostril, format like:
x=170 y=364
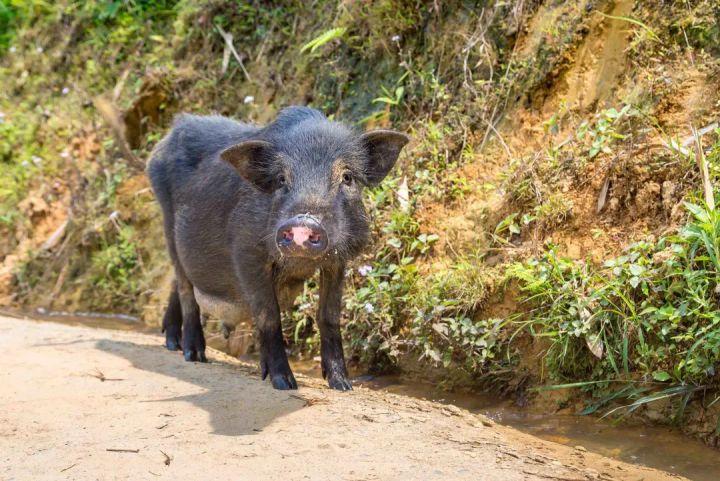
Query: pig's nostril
x=302 y=236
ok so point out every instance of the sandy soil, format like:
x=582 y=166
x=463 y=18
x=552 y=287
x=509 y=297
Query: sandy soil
x=81 y=403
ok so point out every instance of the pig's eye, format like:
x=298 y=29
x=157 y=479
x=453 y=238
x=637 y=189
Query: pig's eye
x=347 y=178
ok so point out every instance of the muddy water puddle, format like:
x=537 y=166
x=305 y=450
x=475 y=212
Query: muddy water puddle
x=656 y=447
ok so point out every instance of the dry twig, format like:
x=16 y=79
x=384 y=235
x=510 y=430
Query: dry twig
x=230 y=48
x=704 y=173
x=110 y=114
x=98 y=374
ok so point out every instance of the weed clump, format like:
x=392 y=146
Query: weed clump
x=652 y=313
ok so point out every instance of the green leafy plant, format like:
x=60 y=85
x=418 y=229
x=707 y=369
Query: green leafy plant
x=7 y=17
x=393 y=99
x=323 y=38
x=600 y=134
x=652 y=311
x=651 y=33
x=116 y=263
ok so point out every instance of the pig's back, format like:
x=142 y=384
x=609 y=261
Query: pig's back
x=193 y=140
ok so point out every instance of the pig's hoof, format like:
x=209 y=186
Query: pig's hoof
x=283 y=382
x=193 y=345
x=172 y=343
x=281 y=375
x=339 y=382
x=173 y=335
x=191 y=355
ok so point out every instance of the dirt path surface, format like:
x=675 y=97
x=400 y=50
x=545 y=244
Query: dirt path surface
x=81 y=403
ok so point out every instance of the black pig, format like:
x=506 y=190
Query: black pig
x=251 y=212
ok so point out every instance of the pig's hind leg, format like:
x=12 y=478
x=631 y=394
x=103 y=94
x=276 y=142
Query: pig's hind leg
x=182 y=307
x=172 y=320
x=193 y=339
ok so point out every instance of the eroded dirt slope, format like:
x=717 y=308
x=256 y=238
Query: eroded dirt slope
x=79 y=403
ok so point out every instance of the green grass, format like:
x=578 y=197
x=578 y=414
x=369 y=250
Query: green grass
x=322 y=39
x=651 y=314
x=7 y=26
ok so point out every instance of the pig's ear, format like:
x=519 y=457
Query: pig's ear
x=383 y=148
x=251 y=159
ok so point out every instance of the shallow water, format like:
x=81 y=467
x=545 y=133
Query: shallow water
x=656 y=447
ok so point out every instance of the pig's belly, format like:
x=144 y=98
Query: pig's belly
x=231 y=313
x=234 y=312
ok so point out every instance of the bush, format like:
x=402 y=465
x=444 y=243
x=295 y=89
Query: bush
x=7 y=16
x=652 y=312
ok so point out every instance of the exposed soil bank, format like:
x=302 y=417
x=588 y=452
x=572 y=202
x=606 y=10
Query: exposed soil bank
x=82 y=403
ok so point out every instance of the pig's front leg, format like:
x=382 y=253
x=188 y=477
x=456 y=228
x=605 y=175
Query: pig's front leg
x=266 y=316
x=331 y=349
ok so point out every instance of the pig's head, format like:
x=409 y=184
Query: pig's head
x=314 y=171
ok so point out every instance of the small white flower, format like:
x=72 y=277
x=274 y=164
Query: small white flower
x=249 y=99
x=65 y=90
x=25 y=163
x=395 y=38
x=64 y=154
x=12 y=49
x=365 y=270
x=36 y=160
x=114 y=215
x=2 y=117
x=39 y=50
x=369 y=308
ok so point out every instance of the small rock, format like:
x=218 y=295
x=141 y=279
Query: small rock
x=614 y=205
x=454 y=410
x=486 y=421
x=668 y=195
x=648 y=198
x=581 y=448
x=592 y=474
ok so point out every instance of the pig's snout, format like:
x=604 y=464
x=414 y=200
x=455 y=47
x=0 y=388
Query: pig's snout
x=302 y=236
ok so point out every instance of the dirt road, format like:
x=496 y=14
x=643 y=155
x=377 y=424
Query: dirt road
x=81 y=403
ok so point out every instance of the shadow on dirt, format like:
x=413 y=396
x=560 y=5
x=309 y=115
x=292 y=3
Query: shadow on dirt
x=238 y=402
